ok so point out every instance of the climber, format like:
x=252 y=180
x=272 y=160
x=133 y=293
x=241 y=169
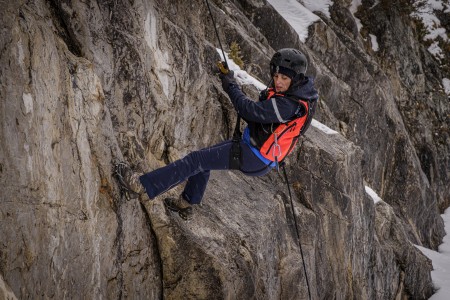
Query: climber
x=290 y=99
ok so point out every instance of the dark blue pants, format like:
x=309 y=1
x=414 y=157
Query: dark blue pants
x=195 y=168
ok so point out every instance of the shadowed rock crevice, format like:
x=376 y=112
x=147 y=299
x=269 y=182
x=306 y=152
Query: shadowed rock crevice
x=61 y=17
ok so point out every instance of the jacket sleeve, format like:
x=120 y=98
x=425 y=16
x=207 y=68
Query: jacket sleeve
x=274 y=110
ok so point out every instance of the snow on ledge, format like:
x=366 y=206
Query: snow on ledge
x=319 y=5
x=323 y=127
x=441 y=262
x=374 y=42
x=297 y=15
x=373 y=194
x=446 y=84
x=242 y=77
x=353 y=9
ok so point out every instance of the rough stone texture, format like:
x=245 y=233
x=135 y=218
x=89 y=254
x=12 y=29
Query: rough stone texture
x=5 y=291
x=85 y=84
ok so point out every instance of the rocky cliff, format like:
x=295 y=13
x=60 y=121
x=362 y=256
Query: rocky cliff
x=84 y=84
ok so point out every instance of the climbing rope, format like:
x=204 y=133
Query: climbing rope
x=296 y=227
x=217 y=34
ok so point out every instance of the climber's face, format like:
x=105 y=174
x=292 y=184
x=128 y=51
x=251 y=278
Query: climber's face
x=281 y=82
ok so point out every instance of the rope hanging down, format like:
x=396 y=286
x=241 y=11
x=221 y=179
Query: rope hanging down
x=235 y=153
x=296 y=227
x=217 y=35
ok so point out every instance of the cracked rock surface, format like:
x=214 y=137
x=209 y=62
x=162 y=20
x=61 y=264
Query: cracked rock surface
x=85 y=84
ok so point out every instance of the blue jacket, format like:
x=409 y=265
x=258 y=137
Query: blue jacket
x=264 y=116
x=278 y=109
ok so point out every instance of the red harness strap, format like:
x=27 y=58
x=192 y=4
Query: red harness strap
x=283 y=139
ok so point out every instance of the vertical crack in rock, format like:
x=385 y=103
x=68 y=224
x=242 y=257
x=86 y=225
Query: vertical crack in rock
x=156 y=248
x=61 y=19
x=119 y=244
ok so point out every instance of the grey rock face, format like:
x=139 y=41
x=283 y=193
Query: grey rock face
x=85 y=84
x=5 y=291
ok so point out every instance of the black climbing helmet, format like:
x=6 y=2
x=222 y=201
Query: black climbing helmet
x=290 y=62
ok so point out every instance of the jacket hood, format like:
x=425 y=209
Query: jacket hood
x=303 y=89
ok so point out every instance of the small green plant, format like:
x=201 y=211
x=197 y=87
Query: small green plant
x=235 y=54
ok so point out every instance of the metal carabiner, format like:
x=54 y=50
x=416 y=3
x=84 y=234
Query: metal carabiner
x=276 y=152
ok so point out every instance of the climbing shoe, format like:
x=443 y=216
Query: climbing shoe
x=128 y=180
x=181 y=206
